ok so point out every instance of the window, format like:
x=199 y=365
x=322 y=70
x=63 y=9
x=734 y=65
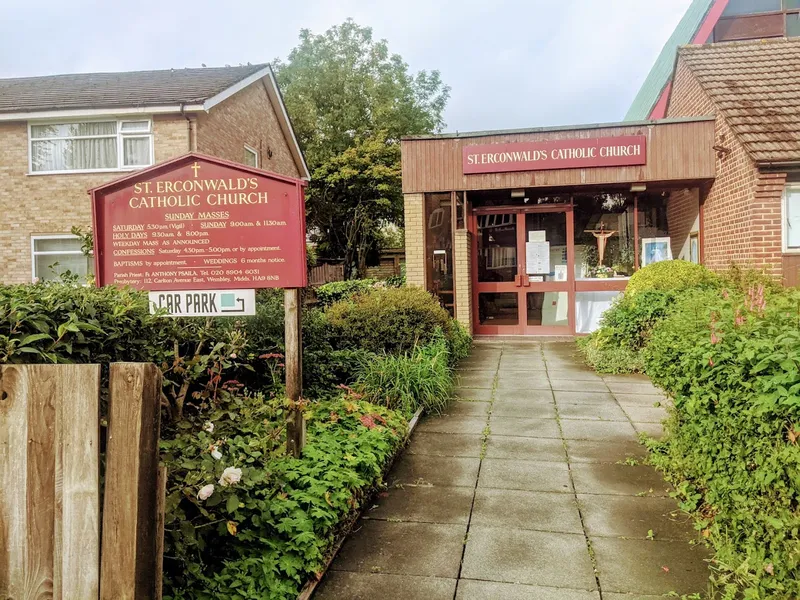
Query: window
x=439 y=248
x=750 y=7
x=250 y=157
x=90 y=146
x=694 y=248
x=791 y=222
x=54 y=255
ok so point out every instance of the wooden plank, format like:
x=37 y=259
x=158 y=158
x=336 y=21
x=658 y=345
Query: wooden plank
x=161 y=515
x=13 y=481
x=129 y=563
x=49 y=481
x=295 y=425
x=78 y=464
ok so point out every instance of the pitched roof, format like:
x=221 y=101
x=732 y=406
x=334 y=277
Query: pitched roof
x=756 y=87
x=661 y=72
x=119 y=90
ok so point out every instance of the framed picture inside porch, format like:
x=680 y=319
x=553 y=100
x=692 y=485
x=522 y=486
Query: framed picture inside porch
x=655 y=250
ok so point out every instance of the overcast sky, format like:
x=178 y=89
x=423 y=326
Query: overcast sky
x=510 y=63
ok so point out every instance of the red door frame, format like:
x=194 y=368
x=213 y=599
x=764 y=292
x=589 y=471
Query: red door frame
x=522 y=284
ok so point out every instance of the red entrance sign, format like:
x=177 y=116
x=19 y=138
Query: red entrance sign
x=620 y=151
x=199 y=223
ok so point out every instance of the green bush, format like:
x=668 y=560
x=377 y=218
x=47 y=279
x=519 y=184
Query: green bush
x=267 y=534
x=407 y=382
x=672 y=275
x=336 y=291
x=731 y=361
x=624 y=330
x=391 y=320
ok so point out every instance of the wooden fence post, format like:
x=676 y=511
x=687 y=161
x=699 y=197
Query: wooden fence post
x=295 y=424
x=130 y=551
x=49 y=481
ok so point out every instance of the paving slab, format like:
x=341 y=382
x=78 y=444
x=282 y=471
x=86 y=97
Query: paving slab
x=530 y=410
x=469 y=589
x=595 y=412
x=423 y=504
x=525 y=448
x=572 y=385
x=637 y=566
x=467 y=409
x=523 y=395
x=612 y=596
x=633 y=387
x=654 y=430
x=525 y=366
x=426 y=549
x=584 y=397
x=530 y=381
x=445 y=444
x=634 y=517
x=518 y=509
x=626 y=377
x=524 y=427
x=647 y=400
x=419 y=469
x=532 y=557
x=345 y=585
x=453 y=424
x=598 y=430
x=596 y=451
x=643 y=414
x=574 y=374
x=534 y=476
x=473 y=394
x=618 y=480
x=475 y=379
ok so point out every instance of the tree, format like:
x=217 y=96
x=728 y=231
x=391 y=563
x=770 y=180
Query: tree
x=351 y=101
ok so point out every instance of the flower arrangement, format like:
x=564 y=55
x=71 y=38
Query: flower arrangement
x=601 y=272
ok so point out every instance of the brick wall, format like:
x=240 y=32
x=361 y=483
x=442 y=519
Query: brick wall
x=740 y=222
x=41 y=204
x=767 y=226
x=247 y=117
x=415 y=239
x=683 y=219
x=463 y=277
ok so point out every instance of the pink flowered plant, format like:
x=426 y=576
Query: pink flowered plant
x=755 y=300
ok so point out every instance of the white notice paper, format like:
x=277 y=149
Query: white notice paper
x=537 y=236
x=537 y=258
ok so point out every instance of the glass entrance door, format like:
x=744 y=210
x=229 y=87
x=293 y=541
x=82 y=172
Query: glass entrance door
x=524 y=271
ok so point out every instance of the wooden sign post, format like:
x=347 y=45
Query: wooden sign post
x=295 y=424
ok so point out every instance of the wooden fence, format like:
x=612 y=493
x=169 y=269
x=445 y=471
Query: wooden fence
x=50 y=513
x=325 y=273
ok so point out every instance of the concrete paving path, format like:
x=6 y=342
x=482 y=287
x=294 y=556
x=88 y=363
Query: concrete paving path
x=530 y=487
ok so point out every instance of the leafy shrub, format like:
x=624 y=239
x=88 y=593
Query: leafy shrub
x=265 y=535
x=672 y=275
x=731 y=361
x=419 y=379
x=392 y=320
x=336 y=291
x=625 y=329
x=460 y=343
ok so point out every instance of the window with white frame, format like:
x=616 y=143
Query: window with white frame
x=791 y=221
x=57 y=254
x=250 y=156
x=90 y=146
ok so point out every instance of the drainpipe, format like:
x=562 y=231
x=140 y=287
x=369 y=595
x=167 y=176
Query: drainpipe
x=191 y=125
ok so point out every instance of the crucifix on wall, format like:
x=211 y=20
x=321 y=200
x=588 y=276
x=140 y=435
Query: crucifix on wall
x=602 y=234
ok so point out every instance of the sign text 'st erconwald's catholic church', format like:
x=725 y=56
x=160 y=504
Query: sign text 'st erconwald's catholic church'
x=559 y=154
x=200 y=223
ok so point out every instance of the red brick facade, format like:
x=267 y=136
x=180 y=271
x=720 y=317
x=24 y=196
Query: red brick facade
x=683 y=217
x=742 y=210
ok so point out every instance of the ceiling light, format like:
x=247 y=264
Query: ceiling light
x=638 y=187
x=518 y=193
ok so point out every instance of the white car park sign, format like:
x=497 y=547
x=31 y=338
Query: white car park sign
x=204 y=303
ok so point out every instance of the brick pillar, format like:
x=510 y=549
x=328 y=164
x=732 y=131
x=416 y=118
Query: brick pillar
x=462 y=257
x=767 y=228
x=415 y=239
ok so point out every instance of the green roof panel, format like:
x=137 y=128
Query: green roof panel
x=661 y=72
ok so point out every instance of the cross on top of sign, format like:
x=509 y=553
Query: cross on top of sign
x=195 y=167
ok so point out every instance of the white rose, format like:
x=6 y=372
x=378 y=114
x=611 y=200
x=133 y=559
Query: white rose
x=205 y=491
x=216 y=454
x=230 y=476
x=209 y=427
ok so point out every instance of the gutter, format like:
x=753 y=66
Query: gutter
x=100 y=112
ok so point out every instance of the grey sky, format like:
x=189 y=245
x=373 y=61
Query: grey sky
x=510 y=63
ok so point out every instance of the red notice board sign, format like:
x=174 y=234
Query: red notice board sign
x=200 y=223
x=579 y=153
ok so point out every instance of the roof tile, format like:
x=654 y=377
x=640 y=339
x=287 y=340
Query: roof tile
x=756 y=86
x=119 y=90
